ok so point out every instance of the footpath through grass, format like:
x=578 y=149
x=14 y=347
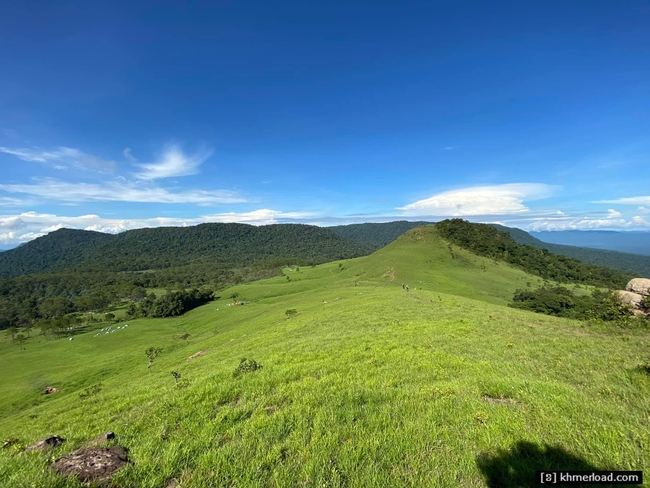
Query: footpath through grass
x=377 y=387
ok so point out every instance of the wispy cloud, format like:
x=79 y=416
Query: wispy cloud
x=173 y=162
x=62 y=158
x=15 y=202
x=24 y=227
x=451 y=148
x=643 y=200
x=128 y=155
x=119 y=191
x=479 y=200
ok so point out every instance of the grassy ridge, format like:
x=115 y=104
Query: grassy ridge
x=376 y=387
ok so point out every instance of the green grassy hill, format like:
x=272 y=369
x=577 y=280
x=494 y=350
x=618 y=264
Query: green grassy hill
x=378 y=235
x=366 y=386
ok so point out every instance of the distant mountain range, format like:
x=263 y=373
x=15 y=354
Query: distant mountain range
x=229 y=245
x=630 y=242
x=232 y=245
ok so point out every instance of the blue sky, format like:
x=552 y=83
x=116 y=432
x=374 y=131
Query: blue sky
x=122 y=115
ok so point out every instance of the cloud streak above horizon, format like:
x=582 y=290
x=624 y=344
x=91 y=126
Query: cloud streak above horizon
x=119 y=191
x=63 y=158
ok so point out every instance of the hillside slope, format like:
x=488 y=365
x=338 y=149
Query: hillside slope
x=622 y=261
x=164 y=247
x=366 y=385
x=420 y=259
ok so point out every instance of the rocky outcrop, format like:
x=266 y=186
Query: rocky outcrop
x=630 y=298
x=46 y=444
x=639 y=285
x=635 y=294
x=100 y=439
x=96 y=464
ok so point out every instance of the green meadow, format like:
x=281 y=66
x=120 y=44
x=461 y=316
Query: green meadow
x=367 y=385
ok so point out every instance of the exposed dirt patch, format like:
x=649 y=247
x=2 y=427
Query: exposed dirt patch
x=501 y=400
x=196 y=355
x=270 y=410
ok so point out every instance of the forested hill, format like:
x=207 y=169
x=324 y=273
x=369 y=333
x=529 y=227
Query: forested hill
x=164 y=247
x=376 y=235
x=622 y=261
x=485 y=240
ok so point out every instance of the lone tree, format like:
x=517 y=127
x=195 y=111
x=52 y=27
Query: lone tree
x=21 y=341
x=234 y=296
x=12 y=331
x=152 y=353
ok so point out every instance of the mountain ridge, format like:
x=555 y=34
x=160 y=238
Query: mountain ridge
x=164 y=247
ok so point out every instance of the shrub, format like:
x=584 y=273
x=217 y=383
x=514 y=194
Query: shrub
x=291 y=312
x=246 y=366
x=152 y=353
x=561 y=302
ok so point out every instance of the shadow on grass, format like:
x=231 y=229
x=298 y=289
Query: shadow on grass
x=516 y=467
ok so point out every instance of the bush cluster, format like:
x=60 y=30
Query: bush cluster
x=562 y=302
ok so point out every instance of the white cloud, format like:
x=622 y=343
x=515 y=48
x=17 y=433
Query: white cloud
x=62 y=157
x=173 y=162
x=129 y=156
x=119 y=191
x=480 y=200
x=643 y=210
x=15 y=229
x=639 y=221
x=451 y=148
x=613 y=214
x=613 y=221
x=629 y=201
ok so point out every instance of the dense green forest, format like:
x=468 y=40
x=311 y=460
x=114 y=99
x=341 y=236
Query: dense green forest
x=376 y=235
x=622 y=261
x=485 y=240
x=229 y=245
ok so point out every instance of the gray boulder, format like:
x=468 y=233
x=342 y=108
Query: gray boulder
x=630 y=298
x=639 y=285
